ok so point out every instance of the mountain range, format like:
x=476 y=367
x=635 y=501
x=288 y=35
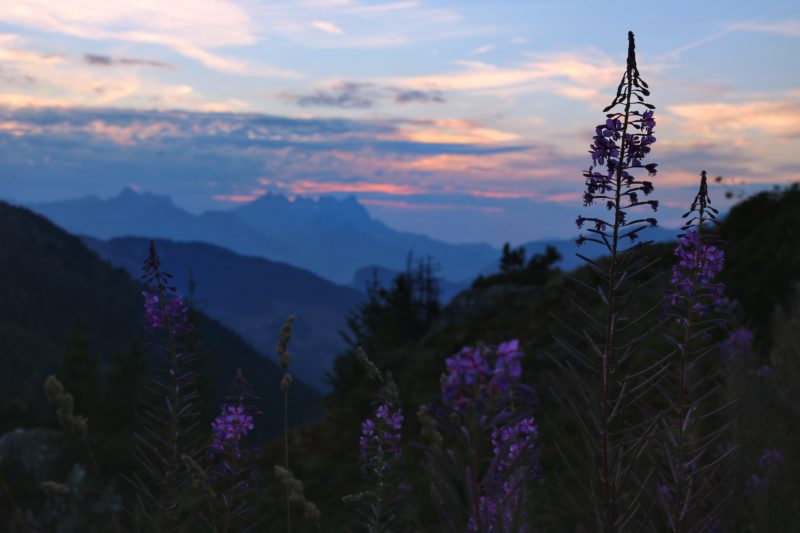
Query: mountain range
x=331 y=237
x=334 y=238
x=254 y=265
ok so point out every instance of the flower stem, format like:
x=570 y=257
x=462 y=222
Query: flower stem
x=608 y=489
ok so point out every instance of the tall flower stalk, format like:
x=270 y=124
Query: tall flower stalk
x=696 y=302
x=600 y=382
x=285 y=357
x=292 y=485
x=171 y=411
x=383 y=506
x=234 y=475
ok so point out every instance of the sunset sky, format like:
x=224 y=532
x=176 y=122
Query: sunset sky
x=463 y=120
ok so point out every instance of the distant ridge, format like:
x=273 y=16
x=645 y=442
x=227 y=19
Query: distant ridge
x=330 y=237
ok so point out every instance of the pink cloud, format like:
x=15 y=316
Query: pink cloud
x=501 y=194
x=316 y=187
x=583 y=71
x=398 y=204
x=779 y=118
x=235 y=198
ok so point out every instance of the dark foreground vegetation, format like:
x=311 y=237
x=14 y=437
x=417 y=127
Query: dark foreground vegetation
x=655 y=389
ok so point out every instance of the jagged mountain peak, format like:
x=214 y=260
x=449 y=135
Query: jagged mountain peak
x=275 y=204
x=131 y=196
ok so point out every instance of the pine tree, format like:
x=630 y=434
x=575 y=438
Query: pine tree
x=390 y=320
x=513 y=259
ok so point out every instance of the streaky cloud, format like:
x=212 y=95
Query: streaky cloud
x=362 y=95
x=108 y=61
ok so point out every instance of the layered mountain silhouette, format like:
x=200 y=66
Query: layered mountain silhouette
x=253 y=296
x=330 y=237
x=51 y=279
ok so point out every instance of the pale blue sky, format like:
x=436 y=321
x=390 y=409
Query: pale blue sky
x=463 y=120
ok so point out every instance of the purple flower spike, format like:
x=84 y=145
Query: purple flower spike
x=474 y=377
x=230 y=426
x=523 y=436
x=161 y=310
x=381 y=432
x=698 y=265
x=619 y=148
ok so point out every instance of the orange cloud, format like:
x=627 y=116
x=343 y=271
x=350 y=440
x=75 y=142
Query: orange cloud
x=452 y=131
x=397 y=204
x=780 y=118
x=563 y=198
x=314 y=187
x=235 y=198
x=327 y=27
x=17 y=129
x=501 y=194
x=131 y=134
x=447 y=162
x=582 y=93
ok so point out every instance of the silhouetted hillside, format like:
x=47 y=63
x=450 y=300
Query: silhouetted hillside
x=763 y=253
x=50 y=280
x=762 y=270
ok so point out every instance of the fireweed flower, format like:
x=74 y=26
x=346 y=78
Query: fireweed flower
x=620 y=145
x=234 y=471
x=507 y=369
x=474 y=376
x=695 y=300
x=510 y=444
x=619 y=204
x=235 y=418
x=171 y=405
x=489 y=510
x=385 y=503
x=482 y=386
x=163 y=310
x=698 y=264
x=522 y=436
x=380 y=436
x=699 y=261
x=230 y=426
